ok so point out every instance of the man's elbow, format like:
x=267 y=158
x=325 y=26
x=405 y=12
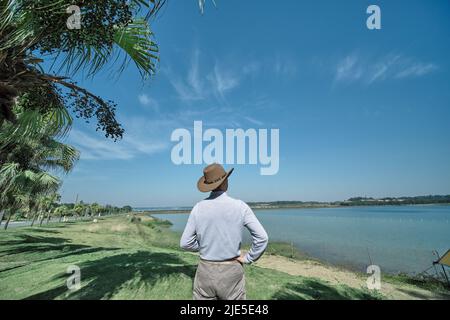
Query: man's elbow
x=264 y=240
x=184 y=244
x=188 y=245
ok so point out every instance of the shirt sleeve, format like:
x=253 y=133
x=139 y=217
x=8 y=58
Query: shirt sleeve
x=259 y=235
x=188 y=239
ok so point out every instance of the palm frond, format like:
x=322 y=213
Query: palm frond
x=32 y=124
x=132 y=42
x=58 y=156
x=201 y=5
x=38 y=182
x=8 y=173
x=18 y=27
x=136 y=41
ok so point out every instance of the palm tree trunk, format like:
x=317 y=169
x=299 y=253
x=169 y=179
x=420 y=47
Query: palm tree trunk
x=60 y=218
x=7 y=221
x=1 y=216
x=34 y=218
x=42 y=217
x=48 y=217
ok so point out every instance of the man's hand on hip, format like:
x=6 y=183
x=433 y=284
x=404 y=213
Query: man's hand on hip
x=241 y=259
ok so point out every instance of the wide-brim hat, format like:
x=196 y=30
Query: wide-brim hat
x=213 y=176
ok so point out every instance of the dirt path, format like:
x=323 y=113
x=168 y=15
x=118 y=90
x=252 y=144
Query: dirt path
x=334 y=275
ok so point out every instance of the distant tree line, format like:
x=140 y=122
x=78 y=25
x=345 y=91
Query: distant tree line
x=430 y=199
x=45 y=209
x=356 y=201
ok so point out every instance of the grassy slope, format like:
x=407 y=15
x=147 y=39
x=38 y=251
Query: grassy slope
x=123 y=260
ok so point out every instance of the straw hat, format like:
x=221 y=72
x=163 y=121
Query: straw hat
x=213 y=176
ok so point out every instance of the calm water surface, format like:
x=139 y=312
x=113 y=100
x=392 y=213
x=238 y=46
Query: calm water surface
x=397 y=238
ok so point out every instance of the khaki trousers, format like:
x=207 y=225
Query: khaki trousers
x=219 y=281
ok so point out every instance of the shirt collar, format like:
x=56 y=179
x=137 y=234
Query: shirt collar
x=216 y=194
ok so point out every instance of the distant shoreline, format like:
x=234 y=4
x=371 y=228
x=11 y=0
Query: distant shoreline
x=274 y=207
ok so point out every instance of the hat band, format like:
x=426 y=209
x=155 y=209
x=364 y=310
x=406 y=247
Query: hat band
x=217 y=180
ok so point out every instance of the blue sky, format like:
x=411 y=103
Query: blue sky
x=360 y=112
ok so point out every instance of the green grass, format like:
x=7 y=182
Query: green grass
x=120 y=259
x=286 y=250
x=424 y=282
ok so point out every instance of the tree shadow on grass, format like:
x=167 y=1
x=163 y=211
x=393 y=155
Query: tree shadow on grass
x=26 y=243
x=418 y=295
x=103 y=278
x=39 y=248
x=42 y=230
x=28 y=238
x=318 y=290
x=66 y=224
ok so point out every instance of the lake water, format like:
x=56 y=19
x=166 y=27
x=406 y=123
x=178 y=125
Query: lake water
x=396 y=238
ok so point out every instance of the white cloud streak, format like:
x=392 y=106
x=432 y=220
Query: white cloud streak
x=222 y=81
x=147 y=101
x=220 y=78
x=417 y=70
x=191 y=87
x=142 y=137
x=347 y=69
x=285 y=66
x=356 y=68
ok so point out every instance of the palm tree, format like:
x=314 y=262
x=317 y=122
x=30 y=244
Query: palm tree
x=1 y=217
x=24 y=163
x=79 y=209
x=61 y=211
x=17 y=184
x=112 y=30
x=96 y=209
x=48 y=205
x=34 y=208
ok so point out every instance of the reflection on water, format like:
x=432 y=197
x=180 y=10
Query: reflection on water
x=397 y=238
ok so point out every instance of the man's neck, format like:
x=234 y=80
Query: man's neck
x=216 y=193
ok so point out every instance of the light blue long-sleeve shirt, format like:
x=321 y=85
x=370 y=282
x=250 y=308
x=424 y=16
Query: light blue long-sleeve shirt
x=215 y=226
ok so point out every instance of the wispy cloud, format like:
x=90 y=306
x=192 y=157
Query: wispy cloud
x=200 y=84
x=191 y=87
x=93 y=148
x=417 y=70
x=209 y=89
x=142 y=137
x=147 y=101
x=355 y=67
x=384 y=67
x=252 y=68
x=348 y=69
x=194 y=79
x=254 y=121
x=284 y=66
x=222 y=80
x=218 y=78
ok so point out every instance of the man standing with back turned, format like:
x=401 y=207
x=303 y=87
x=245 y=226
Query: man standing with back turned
x=215 y=228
